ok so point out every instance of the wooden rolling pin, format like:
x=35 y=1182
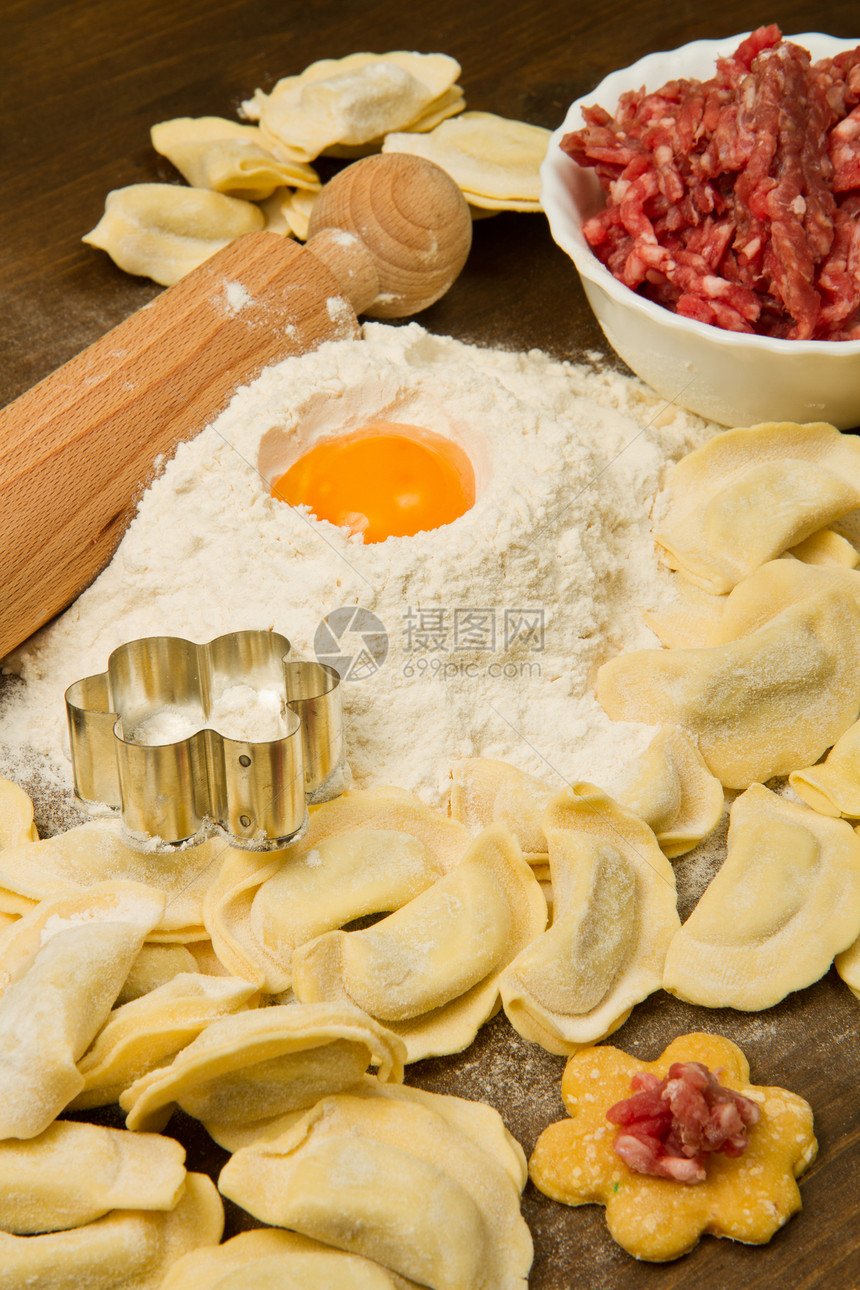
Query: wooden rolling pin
x=388 y=236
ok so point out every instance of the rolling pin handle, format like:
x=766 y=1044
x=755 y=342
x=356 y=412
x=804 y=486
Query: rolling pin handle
x=411 y=220
x=352 y=264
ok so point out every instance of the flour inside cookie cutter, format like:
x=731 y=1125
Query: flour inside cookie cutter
x=172 y=788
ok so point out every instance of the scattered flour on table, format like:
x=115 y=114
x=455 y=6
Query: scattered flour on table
x=496 y=623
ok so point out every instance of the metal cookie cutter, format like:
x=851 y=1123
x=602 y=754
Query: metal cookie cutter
x=254 y=789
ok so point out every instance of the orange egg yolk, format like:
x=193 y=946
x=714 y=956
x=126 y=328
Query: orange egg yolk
x=385 y=480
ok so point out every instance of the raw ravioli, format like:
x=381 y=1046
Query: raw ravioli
x=673 y=791
x=16 y=816
x=357 y=1172
x=614 y=914
x=255 y=1065
x=163 y=231
x=147 y=1033
x=832 y=786
x=154 y=966
x=431 y=970
x=363 y=853
x=72 y=862
x=74 y=1173
x=747 y=495
x=63 y=965
x=484 y=792
x=778 y=686
x=786 y=900
x=211 y=152
x=352 y=100
x=271 y=1259
x=128 y=1248
x=492 y=159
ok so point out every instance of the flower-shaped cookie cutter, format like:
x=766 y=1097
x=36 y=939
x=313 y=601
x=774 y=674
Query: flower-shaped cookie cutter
x=255 y=789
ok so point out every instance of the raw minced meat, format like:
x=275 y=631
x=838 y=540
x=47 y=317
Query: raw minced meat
x=736 y=201
x=669 y=1127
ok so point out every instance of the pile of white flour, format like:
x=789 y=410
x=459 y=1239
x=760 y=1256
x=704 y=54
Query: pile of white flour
x=495 y=623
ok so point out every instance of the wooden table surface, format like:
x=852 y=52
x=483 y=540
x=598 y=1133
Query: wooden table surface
x=82 y=81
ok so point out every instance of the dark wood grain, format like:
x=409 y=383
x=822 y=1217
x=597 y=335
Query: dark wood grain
x=80 y=86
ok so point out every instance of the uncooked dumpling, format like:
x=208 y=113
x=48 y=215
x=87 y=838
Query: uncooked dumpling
x=689 y=622
x=491 y=158
x=614 y=915
x=268 y=1258
x=352 y=100
x=154 y=966
x=430 y=971
x=827 y=547
x=366 y=852
x=847 y=964
x=673 y=791
x=163 y=231
x=484 y=791
x=211 y=152
x=147 y=1033
x=255 y=1065
x=786 y=900
x=132 y=1249
x=747 y=495
x=73 y=861
x=64 y=964
x=16 y=816
x=774 y=588
x=74 y=1173
x=358 y=1171
x=832 y=787
x=781 y=686
x=296 y=209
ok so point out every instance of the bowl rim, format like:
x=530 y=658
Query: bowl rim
x=558 y=171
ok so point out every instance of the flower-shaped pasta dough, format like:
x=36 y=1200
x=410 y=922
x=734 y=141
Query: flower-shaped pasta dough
x=747 y=1198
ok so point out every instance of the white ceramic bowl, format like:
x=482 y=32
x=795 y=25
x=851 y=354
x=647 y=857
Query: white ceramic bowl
x=731 y=378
